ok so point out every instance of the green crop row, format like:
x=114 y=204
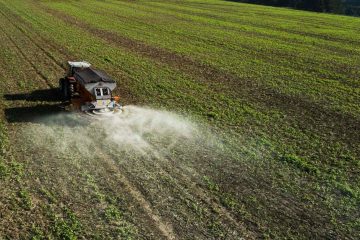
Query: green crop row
x=295 y=69
x=281 y=143
x=300 y=141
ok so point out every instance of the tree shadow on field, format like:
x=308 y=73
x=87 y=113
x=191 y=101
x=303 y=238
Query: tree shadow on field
x=50 y=112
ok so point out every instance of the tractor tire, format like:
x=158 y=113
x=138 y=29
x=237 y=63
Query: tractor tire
x=61 y=83
x=64 y=89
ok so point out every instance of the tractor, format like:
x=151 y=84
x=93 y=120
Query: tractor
x=88 y=90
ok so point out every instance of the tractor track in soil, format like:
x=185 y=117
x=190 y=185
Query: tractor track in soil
x=165 y=227
x=190 y=187
x=245 y=185
x=302 y=112
x=81 y=167
x=110 y=168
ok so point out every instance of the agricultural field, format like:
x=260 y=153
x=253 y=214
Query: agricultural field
x=242 y=122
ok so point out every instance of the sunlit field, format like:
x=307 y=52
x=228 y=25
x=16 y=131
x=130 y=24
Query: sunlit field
x=240 y=121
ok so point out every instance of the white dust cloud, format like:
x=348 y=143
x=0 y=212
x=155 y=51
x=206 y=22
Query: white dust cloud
x=138 y=129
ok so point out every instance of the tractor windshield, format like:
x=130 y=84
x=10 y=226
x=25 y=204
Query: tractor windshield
x=105 y=91
x=102 y=93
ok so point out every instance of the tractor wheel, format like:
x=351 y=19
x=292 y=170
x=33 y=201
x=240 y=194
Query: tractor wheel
x=64 y=89
x=61 y=83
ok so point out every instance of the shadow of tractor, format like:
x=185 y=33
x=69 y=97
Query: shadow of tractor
x=51 y=111
x=44 y=95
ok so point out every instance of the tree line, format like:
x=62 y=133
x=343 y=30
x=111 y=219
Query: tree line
x=349 y=7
